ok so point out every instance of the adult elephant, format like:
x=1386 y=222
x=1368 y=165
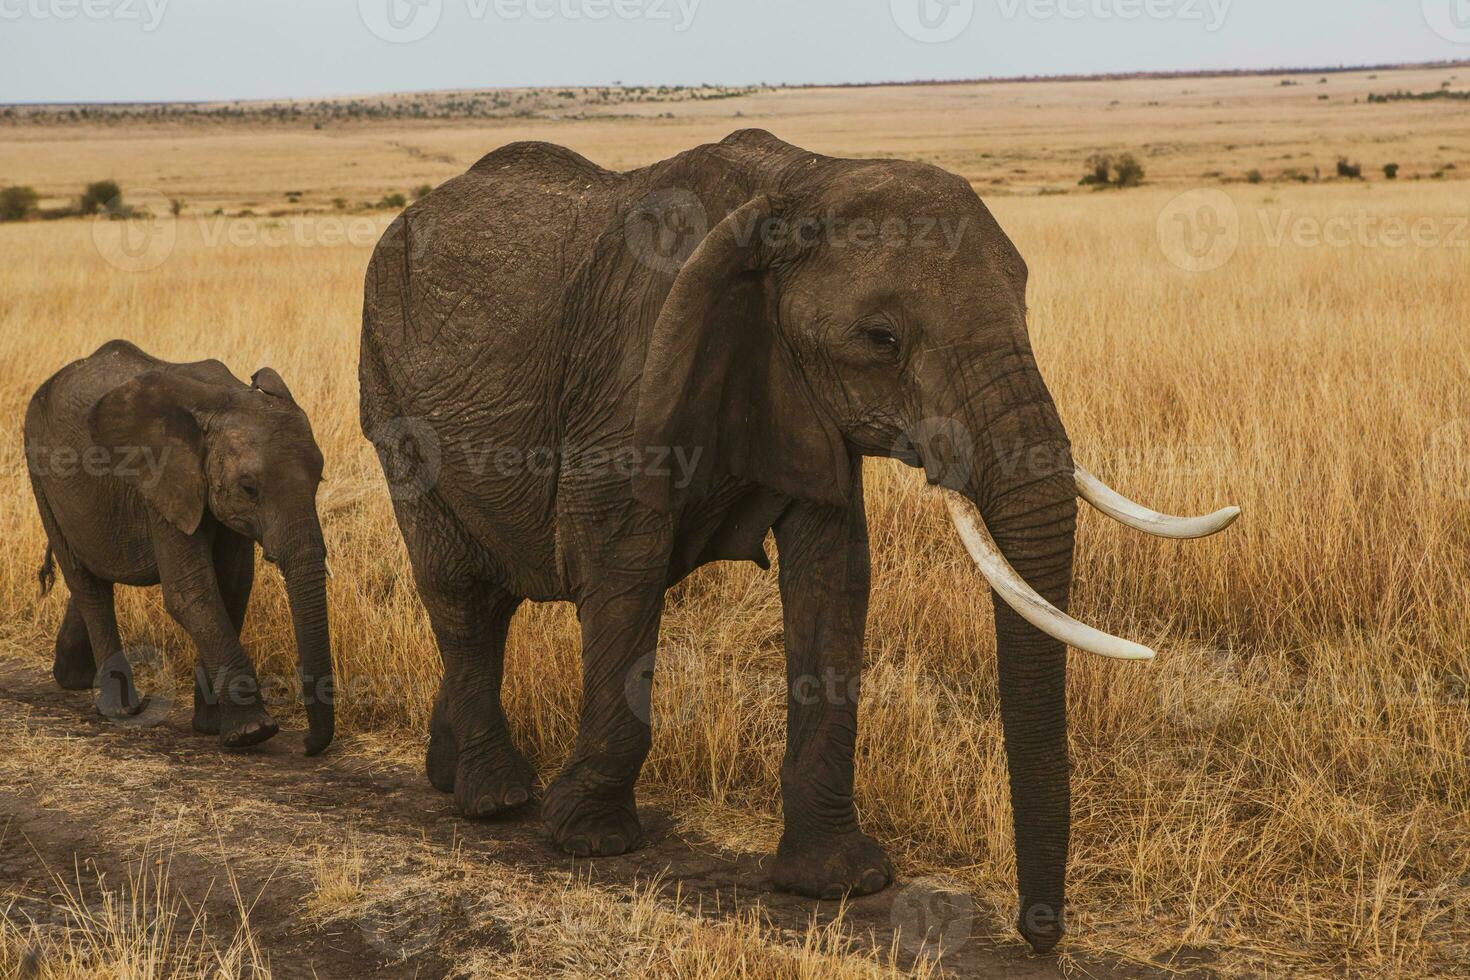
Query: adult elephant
x=584 y=384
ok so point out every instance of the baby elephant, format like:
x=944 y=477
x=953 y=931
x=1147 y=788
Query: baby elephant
x=147 y=472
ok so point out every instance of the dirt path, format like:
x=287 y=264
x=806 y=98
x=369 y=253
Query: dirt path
x=244 y=820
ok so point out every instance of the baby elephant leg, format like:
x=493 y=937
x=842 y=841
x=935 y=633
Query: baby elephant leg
x=234 y=570
x=74 y=669
x=192 y=595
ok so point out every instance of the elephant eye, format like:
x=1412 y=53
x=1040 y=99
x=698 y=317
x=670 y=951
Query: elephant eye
x=881 y=337
x=249 y=487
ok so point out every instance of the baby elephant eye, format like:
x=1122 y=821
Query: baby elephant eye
x=249 y=487
x=881 y=337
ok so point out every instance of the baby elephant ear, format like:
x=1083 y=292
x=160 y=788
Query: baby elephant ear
x=153 y=442
x=270 y=382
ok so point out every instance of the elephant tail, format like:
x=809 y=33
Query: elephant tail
x=47 y=575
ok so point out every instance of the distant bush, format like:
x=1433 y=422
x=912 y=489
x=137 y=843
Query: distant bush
x=102 y=195
x=1348 y=169
x=1406 y=96
x=1100 y=168
x=1105 y=170
x=393 y=201
x=1127 y=171
x=17 y=202
x=1391 y=171
x=1254 y=177
x=423 y=190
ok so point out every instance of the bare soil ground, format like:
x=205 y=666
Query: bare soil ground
x=261 y=799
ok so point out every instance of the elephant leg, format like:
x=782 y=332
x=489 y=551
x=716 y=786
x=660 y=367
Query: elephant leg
x=442 y=758
x=470 y=748
x=234 y=570
x=74 y=669
x=590 y=807
x=116 y=695
x=470 y=752
x=193 y=596
x=824 y=581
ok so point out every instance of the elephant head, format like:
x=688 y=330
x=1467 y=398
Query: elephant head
x=876 y=308
x=247 y=456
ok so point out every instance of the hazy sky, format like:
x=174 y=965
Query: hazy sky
x=119 y=50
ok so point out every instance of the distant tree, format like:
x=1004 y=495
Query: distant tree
x=1391 y=171
x=1127 y=171
x=1348 y=169
x=1100 y=169
x=17 y=202
x=1254 y=177
x=103 y=194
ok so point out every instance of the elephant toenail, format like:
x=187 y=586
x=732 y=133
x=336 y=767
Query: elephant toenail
x=579 y=846
x=874 y=880
x=833 y=892
x=613 y=844
x=516 y=797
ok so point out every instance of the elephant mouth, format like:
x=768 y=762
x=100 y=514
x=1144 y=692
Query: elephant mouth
x=1029 y=604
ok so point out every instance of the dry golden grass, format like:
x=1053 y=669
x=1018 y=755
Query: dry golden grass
x=1288 y=784
x=136 y=929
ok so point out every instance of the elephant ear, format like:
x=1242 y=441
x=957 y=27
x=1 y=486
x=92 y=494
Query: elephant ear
x=272 y=384
x=155 y=444
x=722 y=393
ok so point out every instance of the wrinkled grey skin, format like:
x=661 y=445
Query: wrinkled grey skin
x=148 y=473
x=519 y=328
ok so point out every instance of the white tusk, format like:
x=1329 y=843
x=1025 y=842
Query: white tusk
x=1010 y=586
x=1138 y=517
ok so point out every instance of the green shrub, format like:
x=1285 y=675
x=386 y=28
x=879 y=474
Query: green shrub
x=17 y=202
x=1254 y=177
x=102 y=195
x=1348 y=169
x=393 y=201
x=1127 y=171
x=422 y=190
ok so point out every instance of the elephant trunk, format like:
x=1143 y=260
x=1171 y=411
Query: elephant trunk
x=1027 y=496
x=1034 y=530
x=1012 y=460
x=303 y=564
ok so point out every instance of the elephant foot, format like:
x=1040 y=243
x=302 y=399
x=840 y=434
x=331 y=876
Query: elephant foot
x=831 y=867
x=206 y=719
x=591 y=823
x=74 y=674
x=114 y=693
x=486 y=786
x=244 y=725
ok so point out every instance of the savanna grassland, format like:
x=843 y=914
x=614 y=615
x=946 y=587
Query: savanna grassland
x=1286 y=789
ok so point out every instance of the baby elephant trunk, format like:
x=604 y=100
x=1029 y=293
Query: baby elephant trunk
x=303 y=563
